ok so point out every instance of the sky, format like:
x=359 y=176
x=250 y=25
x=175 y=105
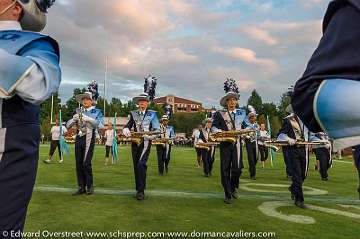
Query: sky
x=190 y=46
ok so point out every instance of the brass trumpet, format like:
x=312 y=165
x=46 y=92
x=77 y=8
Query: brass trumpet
x=231 y=136
x=138 y=137
x=80 y=124
x=161 y=142
x=206 y=146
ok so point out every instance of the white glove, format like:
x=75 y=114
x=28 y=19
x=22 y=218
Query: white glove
x=88 y=119
x=76 y=117
x=126 y=132
x=147 y=137
x=291 y=141
x=216 y=130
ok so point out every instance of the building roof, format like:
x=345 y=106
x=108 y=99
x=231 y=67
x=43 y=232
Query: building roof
x=177 y=100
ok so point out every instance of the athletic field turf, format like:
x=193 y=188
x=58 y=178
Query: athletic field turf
x=186 y=201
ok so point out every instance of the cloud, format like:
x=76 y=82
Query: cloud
x=295 y=32
x=191 y=46
x=259 y=34
x=311 y=3
x=248 y=56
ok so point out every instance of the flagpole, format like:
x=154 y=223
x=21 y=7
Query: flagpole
x=52 y=109
x=105 y=80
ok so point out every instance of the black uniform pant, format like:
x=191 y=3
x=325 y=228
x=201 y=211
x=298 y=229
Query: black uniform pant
x=163 y=157
x=287 y=161
x=53 y=145
x=323 y=155
x=299 y=166
x=251 y=156
x=140 y=154
x=108 y=149
x=84 y=150
x=231 y=166
x=264 y=152
x=208 y=158
x=19 y=154
x=356 y=154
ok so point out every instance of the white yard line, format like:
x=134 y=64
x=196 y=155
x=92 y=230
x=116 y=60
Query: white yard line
x=199 y=195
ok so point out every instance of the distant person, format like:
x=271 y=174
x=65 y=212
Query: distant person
x=251 y=144
x=109 y=139
x=55 y=141
x=196 y=137
x=356 y=155
x=323 y=154
x=263 y=150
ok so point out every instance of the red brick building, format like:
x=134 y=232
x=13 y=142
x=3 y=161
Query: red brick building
x=179 y=104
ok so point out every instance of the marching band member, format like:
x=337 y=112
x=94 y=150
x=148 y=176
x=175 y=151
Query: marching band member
x=142 y=121
x=29 y=73
x=230 y=119
x=109 y=137
x=264 y=151
x=88 y=119
x=251 y=142
x=327 y=94
x=55 y=141
x=322 y=153
x=196 y=137
x=207 y=154
x=356 y=155
x=294 y=130
x=164 y=151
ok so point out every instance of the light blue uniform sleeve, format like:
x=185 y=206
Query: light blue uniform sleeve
x=100 y=119
x=13 y=70
x=155 y=125
x=45 y=79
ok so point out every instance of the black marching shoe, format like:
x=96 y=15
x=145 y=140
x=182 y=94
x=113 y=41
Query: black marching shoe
x=253 y=178
x=90 y=191
x=235 y=195
x=324 y=179
x=227 y=200
x=140 y=196
x=166 y=169
x=300 y=204
x=79 y=192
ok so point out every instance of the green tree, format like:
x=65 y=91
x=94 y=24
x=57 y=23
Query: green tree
x=45 y=109
x=186 y=122
x=270 y=109
x=284 y=102
x=275 y=123
x=256 y=101
x=71 y=105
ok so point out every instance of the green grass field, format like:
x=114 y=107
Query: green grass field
x=185 y=201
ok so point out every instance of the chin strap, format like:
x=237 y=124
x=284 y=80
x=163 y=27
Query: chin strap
x=7 y=8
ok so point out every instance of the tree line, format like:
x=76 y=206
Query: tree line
x=183 y=122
